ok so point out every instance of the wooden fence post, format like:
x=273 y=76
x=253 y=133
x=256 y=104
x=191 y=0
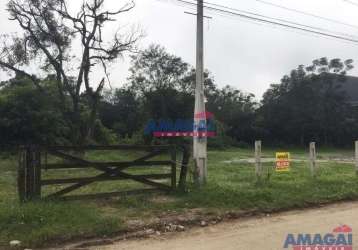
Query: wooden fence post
x=184 y=167
x=37 y=173
x=21 y=175
x=174 y=168
x=356 y=156
x=313 y=156
x=258 y=165
x=29 y=174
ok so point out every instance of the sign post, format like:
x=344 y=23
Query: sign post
x=313 y=157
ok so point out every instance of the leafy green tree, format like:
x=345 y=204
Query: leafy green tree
x=49 y=32
x=236 y=110
x=155 y=69
x=121 y=111
x=28 y=116
x=162 y=82
x=165 y=83
x=308 y=104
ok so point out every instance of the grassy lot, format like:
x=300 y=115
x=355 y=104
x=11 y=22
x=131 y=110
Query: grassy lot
x=231 y=187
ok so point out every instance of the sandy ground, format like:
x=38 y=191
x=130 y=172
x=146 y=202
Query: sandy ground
x=265 y=233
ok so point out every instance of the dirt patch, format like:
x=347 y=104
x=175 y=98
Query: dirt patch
x=265 y=232
x=163 y=199
x=179 y=222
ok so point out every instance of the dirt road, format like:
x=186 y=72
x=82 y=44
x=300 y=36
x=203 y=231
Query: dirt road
x=266 y=233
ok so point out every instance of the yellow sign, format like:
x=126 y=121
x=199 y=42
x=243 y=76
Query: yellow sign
x=282 y=161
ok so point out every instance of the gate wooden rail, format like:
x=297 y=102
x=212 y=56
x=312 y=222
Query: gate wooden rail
x=31 y=165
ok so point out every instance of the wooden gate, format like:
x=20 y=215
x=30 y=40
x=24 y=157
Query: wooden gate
x=31 y=166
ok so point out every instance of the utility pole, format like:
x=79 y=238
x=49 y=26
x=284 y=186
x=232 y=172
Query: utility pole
x=199 y=140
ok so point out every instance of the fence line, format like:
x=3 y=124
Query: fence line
x=313 y=158
x=258 y=165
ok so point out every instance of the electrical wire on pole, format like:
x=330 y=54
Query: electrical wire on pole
x=309 y=29
x=199 y=140
x=297 y=11
x=279 y=19
x=307 y=13
x=351 y=2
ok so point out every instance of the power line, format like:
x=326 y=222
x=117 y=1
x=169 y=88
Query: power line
x=351 y=2
x=309 y=14
x=272 y=22
x=281 y=20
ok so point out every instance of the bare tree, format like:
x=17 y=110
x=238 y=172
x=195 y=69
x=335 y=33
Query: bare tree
x=49 y=33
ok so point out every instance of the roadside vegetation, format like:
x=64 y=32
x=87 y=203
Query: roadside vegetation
x=232 y=187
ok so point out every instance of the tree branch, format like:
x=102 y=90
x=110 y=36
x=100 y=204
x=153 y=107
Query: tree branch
x=20 y=72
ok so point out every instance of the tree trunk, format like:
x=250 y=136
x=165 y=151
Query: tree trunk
x=92 y=118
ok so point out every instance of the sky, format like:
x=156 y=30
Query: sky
x=247 y=55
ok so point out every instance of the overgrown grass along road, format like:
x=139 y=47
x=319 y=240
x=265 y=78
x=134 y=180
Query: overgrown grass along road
x=231 y=187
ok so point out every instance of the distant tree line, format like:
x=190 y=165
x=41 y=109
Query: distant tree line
x=306 y=105
x=310 y=105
